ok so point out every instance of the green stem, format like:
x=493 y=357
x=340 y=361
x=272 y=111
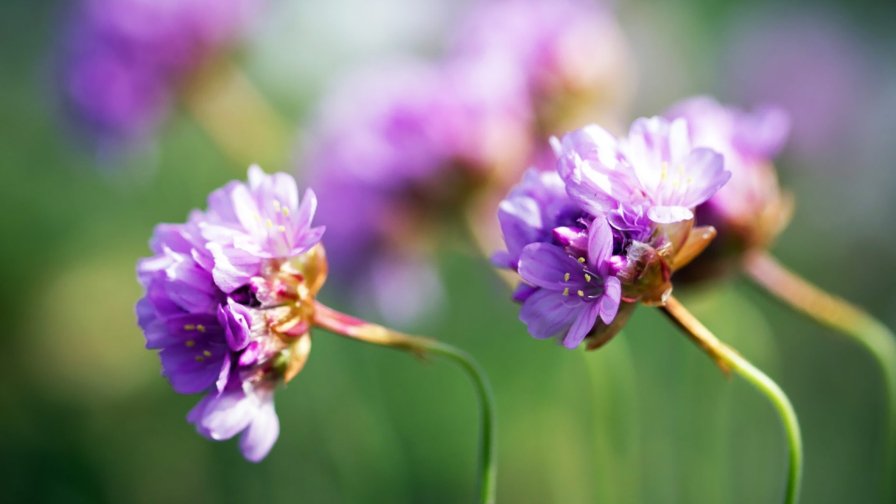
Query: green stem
x=346 y=325
x=728 y=358
x=845 y=318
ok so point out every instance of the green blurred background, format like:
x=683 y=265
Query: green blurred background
x=85 y=416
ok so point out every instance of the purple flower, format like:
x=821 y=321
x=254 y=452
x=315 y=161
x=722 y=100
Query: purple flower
x=570 y=54
x=229 y=299
x=122 y=59
x=607 y=229
x=572 y=293
x=748 y=141
x=409 y=144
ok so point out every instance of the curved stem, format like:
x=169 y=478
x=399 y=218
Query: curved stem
x=346 y=325
x=723 y=354
x=843 y=317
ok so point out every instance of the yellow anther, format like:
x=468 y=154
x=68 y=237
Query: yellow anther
x=189 y=327
x=587 y=277
x=269 y=223
x=282 y=229
x=276 y=206
x=190 y=343
x=582 y=260
x=206 y=353
x=285 y=211
x=566 y=277
x=581 y=293
x=200 y=328
x=566 y=291
x=199 y=358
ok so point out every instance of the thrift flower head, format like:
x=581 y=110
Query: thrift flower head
x=229 y=303
x=408 y=145
x=122 y=59
x=570 y=54
x=751 y=210
x=608 y=228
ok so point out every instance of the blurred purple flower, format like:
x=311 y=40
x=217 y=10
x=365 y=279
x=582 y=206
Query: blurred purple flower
x=408 y=145
x=570 y=54
x=122 y=59
x=215 y=297
x=615 y=236
x=812 y=67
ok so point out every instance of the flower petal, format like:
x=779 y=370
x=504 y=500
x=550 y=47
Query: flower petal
x=669 y=214
x=548 y=313
x=258 y=439
x=583 y=324
x=609 y=302
x=227 y=414
x=705 y=174
x=600 y=243
x=545 y=265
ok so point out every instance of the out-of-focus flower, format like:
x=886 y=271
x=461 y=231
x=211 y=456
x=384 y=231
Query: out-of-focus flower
x=625 y=224
x=570 y=54
x=121 y=60
x=409 y=145
x=229 y=302
x=750 y=211
x=813 y=68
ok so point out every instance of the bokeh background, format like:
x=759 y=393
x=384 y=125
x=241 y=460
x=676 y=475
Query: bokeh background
x=85 y=416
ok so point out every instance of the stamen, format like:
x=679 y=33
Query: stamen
x=281 y=228
x=206 y=353
x=200 y=328
x=566 y=277
x=190 y=343
x=189 y=327
x=199 y=358
x=587 y=277
x=582 y=260
x=285 y=211
x=581 y=293
x=269 y=223
x=276 y=206
x=566 y=291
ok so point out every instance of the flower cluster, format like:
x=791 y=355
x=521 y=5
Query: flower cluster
x=607 y=228
x=122 y=58
x=749 y=212
x=229 y=303
x=416 y=146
